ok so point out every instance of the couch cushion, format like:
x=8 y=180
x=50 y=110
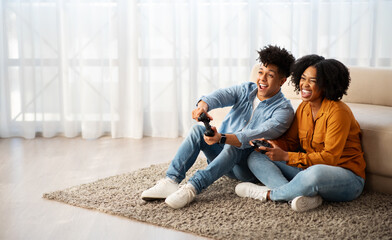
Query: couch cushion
x=376 y=127
x=370 y=86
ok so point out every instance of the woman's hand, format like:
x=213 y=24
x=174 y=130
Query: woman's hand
x=214 y=139
x=257 y=149
x=275 y=153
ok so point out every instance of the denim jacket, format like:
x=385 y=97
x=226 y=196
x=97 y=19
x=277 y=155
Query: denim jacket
x=270 y=120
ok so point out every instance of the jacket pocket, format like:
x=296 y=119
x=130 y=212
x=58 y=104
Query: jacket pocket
x=318 y=142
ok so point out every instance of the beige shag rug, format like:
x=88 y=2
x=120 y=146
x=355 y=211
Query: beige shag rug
x=219 y=213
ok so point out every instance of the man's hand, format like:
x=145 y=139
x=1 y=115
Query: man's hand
x=214 y=139
x=201 y=107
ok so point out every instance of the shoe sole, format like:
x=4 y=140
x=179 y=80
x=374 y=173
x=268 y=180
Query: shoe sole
x=152 y=198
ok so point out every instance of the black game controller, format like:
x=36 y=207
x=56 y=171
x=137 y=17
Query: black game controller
x=258 y=143
x=203 y=118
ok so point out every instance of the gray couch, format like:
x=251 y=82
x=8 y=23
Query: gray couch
x=370 y=98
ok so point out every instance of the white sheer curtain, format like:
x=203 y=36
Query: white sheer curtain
x=136 y=68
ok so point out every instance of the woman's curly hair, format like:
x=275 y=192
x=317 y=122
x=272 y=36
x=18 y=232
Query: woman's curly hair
x=277 y=56
x=333 y=77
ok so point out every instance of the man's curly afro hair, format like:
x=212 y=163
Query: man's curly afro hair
x=333 y=77
x=277 y=56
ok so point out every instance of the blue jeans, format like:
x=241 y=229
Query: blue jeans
x=222 y=160
x=287 y=182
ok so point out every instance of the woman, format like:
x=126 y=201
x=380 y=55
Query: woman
x=320 y=156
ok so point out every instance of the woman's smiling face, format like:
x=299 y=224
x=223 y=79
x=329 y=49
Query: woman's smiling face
x=308 y=86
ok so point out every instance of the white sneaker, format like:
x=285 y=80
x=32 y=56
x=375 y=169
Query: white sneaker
x=181 y=197
x=302 y=203
x=252 y=190
x=161 y=190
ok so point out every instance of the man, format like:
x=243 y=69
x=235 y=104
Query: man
x=259 y=110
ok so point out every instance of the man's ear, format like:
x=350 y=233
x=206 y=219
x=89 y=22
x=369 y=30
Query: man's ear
x=283 y=80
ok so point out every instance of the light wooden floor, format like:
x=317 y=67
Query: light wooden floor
x=29 y=168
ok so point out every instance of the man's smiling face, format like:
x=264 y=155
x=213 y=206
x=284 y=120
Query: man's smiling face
x=269 y=81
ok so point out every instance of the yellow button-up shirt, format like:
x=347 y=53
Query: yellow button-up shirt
x=333 y=138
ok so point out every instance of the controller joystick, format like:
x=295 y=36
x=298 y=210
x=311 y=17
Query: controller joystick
x=258 y=143
x=203 y=118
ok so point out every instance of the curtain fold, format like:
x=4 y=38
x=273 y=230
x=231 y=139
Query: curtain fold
x=136 y=68
x=128 y=92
